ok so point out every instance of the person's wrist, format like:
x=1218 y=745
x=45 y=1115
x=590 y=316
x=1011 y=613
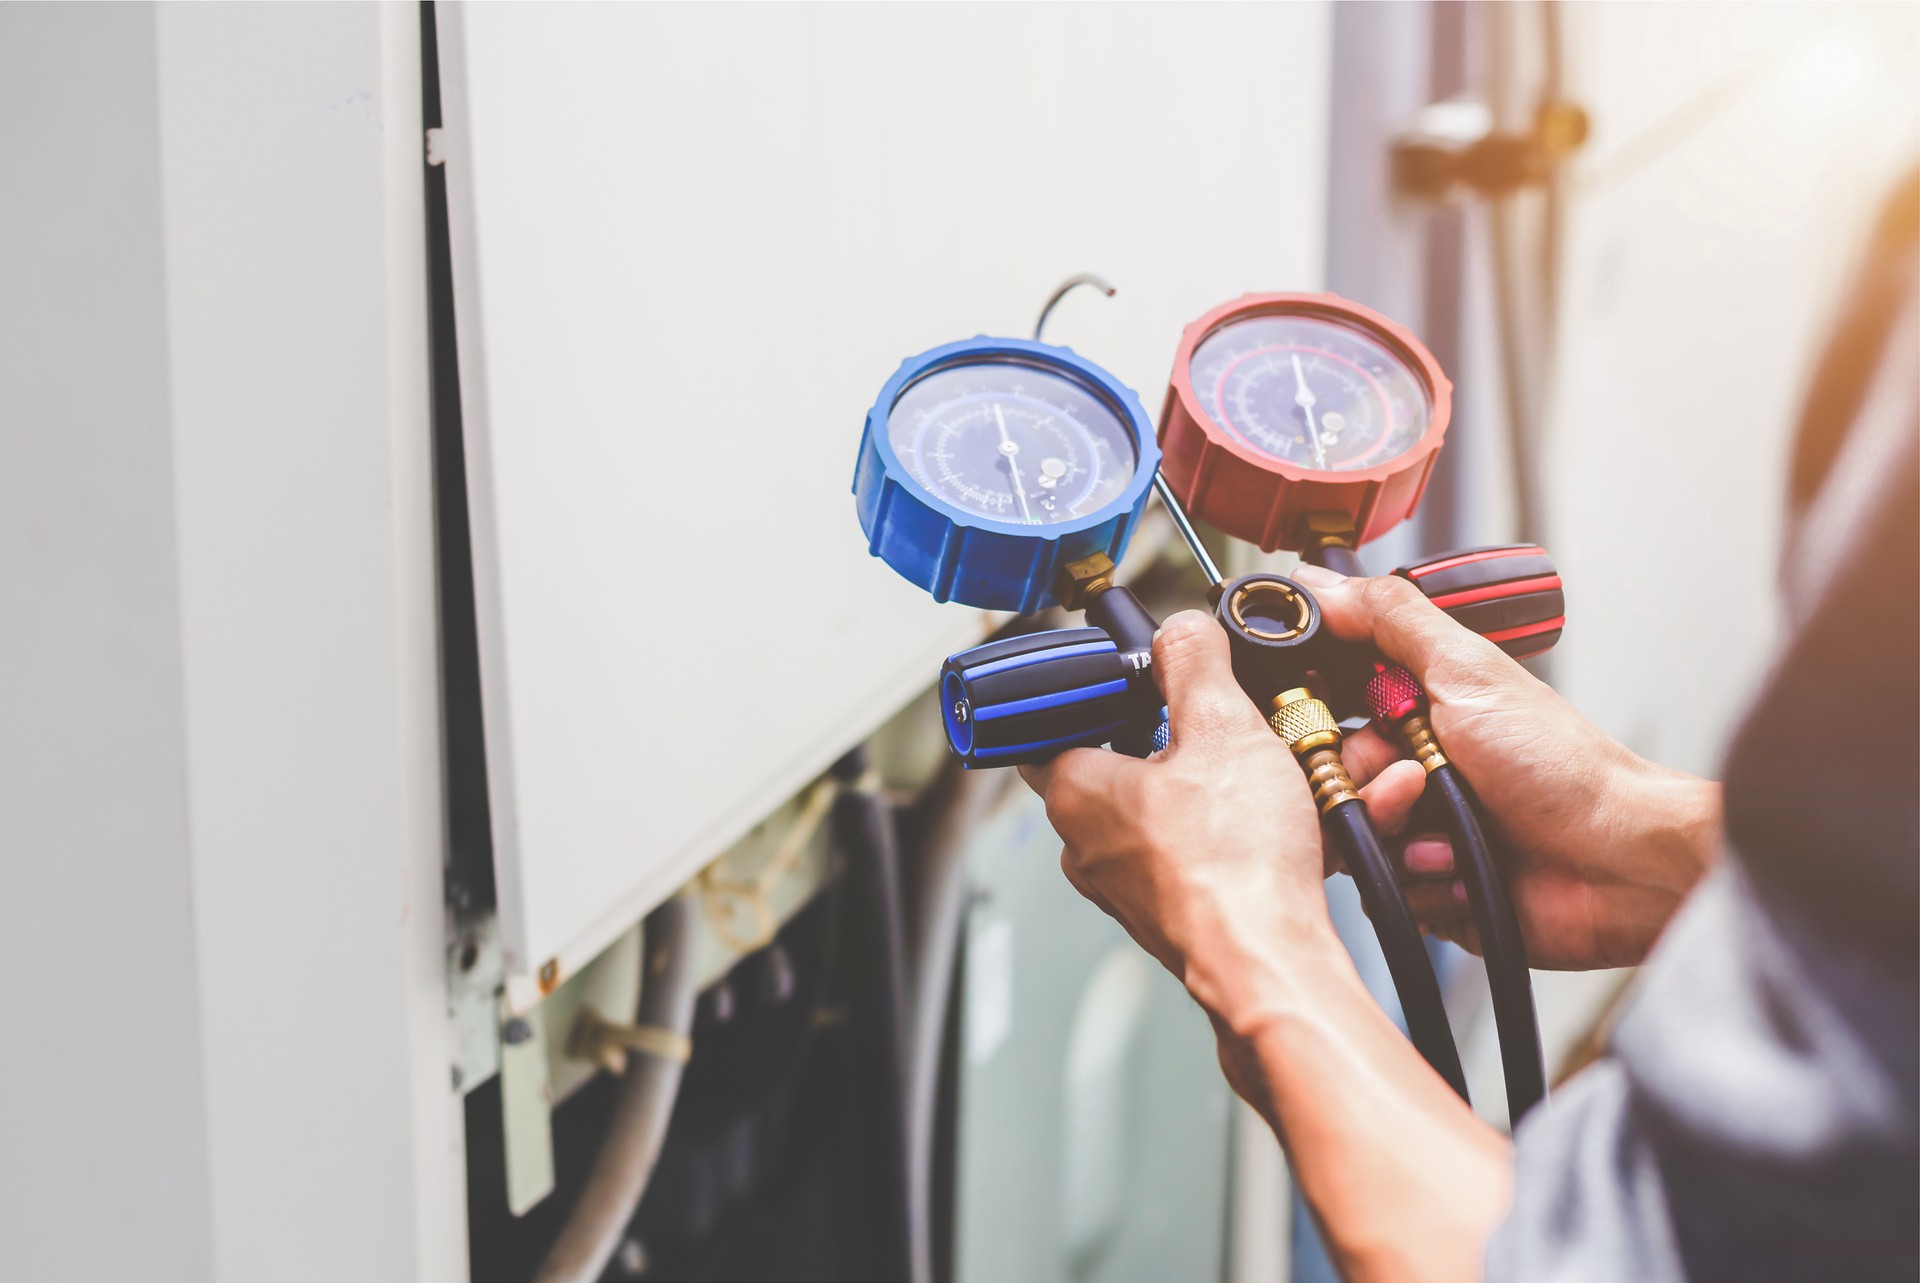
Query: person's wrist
x=1246 y=979
x=1672 y=824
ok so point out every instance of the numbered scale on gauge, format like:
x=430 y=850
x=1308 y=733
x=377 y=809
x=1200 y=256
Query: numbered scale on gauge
x=1013 y=442
x=987 y=465
x=1293 y=414
x=1311 y=391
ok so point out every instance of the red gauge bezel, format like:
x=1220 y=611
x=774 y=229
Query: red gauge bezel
x=1249 y=494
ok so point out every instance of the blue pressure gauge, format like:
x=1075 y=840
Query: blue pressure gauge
x=987 y=465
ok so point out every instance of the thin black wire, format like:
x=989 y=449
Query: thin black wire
x=1065 y=288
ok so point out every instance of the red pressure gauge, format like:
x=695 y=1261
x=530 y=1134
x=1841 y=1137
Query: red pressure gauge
x=1285 y=407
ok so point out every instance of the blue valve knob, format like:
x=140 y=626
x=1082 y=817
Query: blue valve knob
x=1028 y=698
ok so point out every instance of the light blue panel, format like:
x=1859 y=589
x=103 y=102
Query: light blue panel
x=1093 y=1118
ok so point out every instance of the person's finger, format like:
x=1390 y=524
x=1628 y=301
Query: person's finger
x=1437 y=902
x=1461 y=932
x=1330 y=858
x=1367 y=753
x=1075 y=774
x=1390 y=797
x=1195 y=672
x=1403 y=625
x=1071 y=867
x=1428 y=855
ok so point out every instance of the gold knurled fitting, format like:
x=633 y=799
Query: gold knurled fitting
x=1327 y=777
x=1309 y=729
x=1421 y=743
x=1304 y=722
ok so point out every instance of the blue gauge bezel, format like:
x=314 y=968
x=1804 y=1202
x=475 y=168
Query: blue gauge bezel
x=972 y=560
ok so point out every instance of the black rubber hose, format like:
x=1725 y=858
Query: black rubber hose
x=1508 y=977
x=865 y=823
x=1412 y=971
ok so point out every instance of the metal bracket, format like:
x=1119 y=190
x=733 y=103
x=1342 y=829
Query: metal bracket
x=1451 y=147
x=474 y=970
x=526 y=1104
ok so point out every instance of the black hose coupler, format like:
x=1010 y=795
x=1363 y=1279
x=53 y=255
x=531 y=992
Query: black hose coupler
x=1273 y=628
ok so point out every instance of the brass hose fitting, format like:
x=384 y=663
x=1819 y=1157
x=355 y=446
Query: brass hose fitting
x=1079 y=582
x=1308 y=728
x=1417 y=735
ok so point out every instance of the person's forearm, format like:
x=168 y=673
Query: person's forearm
x=1405 y=1182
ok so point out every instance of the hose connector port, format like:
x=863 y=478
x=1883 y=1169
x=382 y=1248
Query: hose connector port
x=1273 y=630
x=1270 y=609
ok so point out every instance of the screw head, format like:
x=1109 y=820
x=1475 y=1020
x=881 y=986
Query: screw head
x=631 y=1258
x=516 y=1031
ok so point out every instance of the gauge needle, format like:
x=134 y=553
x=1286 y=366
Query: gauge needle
x=1011 y=448
x=1303 y=397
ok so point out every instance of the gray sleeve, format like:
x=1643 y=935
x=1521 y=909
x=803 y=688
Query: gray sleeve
x=1755 y=1121
x=1756 y=1117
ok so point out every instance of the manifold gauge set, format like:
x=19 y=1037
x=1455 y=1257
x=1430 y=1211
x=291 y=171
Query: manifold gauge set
x=1010 y=474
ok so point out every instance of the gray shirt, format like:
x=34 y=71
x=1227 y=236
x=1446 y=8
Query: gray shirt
x=1756 y=1116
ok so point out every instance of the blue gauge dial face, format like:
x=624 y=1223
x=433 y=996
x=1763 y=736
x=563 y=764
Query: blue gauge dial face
x=1012 y=441
x=1310 y=390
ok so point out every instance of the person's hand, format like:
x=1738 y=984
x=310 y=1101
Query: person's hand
x=1208 y=852
x=1600 y=845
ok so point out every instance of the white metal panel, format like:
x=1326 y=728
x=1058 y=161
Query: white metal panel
x=690 y=244
x=290 y=170
x=103 y=1116
x=220 y=795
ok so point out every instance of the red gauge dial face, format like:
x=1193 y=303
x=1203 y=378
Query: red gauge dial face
x=1311 y=390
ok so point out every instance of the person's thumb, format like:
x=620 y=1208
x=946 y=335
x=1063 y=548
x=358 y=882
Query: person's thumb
x=1398 y=621
x=1195 y=671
